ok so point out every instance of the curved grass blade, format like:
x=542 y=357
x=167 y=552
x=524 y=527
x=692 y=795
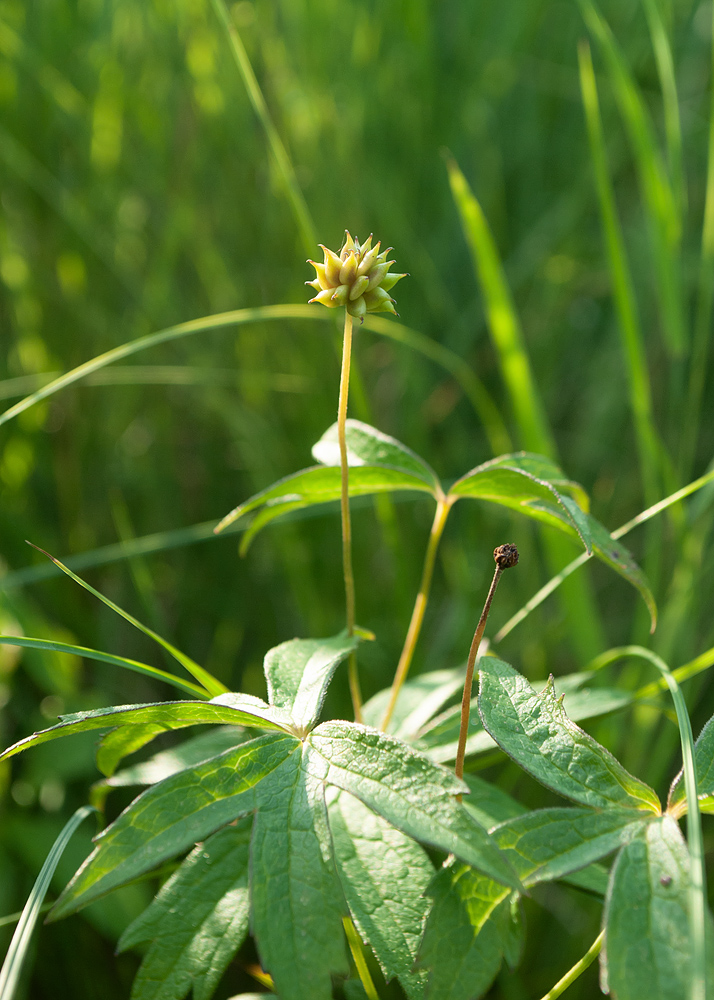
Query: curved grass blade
x=14 y=960
x=117 y=661
x=209 y=683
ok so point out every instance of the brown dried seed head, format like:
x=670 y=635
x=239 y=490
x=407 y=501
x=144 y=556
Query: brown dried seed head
x=506 y=556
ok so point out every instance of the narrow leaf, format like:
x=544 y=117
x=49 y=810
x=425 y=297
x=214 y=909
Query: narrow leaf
x=550 y=843
x=534 y=730
x=316 y=485
x=167 y=715
x=197 y=921
x=209 y=682
x=508 y=481
x=406 y=789
x=383 y=875
x=299 y=671
x=368 y=446
x=173 y=815
x=462 y=947
x=419 y=699
x=117 y=661
x=296 y=899
x=648 y=948
x=704 y=763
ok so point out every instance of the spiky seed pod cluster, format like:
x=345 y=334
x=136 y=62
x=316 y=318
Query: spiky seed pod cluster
x=359 y=278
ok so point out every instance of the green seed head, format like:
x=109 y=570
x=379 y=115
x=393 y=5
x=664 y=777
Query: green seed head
x=358 y=278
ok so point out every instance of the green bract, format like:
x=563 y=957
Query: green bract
x=359 y=278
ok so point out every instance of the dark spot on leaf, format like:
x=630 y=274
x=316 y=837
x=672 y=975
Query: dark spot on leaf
x=666 y=880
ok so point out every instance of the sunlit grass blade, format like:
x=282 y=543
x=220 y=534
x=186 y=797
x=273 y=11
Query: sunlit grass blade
x=277 y=148
x=698 y=904
x=659 y=202
x=507 y=336
x=553 y=584
x=209 y=683
x=17 y=952
x=670 y=100
x=117 y=661
x=705 y=297
x=623 y=292
x=505 y=327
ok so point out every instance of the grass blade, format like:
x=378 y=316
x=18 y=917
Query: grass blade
x=280 y=155
x=209 y=683
x=623 y=293
x=14 y=960
x=659 y=201
x=94 y=654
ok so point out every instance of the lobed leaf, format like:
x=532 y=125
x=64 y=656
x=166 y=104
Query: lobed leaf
x=197 y=921
x=368 y=446
x=648 y=949
x=406 y=789
x=384 y=875
x=296 y=899
x=193 y=751
x=173 y=815
x=509 y=481
x=462 y=946
x=534 y=730
x=704 y=764
x=316 y=485
x=163 y=716
x=299 y=671
x=550 y=843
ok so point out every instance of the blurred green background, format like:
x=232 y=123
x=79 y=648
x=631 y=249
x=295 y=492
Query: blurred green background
x=138 y=190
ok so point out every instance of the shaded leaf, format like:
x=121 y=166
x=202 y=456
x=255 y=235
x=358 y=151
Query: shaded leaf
x=173 y=815
x=297 y=916
x=419 y=699
x=550 y=843
x=704 y=764
x=299 y=671
x=167 y=715
x=507 y=481
x=193 y=751
x=384 y=875
x=319 y=484
x=368 y=446
x=462 y=947
x=406 y=789
x=648 y=950
x=197 y=921
x=534 y=730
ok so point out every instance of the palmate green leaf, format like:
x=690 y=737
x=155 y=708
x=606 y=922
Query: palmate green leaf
x=384 y=875
x=509 y=481
x=316 y=485
x=462 y=946
x=704 y=763
x=406 y=789
x=439 y=738
x=534 y=730
x=161 y=717
x=296 y=899
x=648 y=951
x=299 y=671
x=197 y=921
x=368 y=446
x=550 y=843
x=173 y=815
x=193 y=751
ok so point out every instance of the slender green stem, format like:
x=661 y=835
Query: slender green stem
x=355 y=943
x=405 y=660
x=577 y=970
x=468 y=683
x=345 y=509
x=697 y=878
